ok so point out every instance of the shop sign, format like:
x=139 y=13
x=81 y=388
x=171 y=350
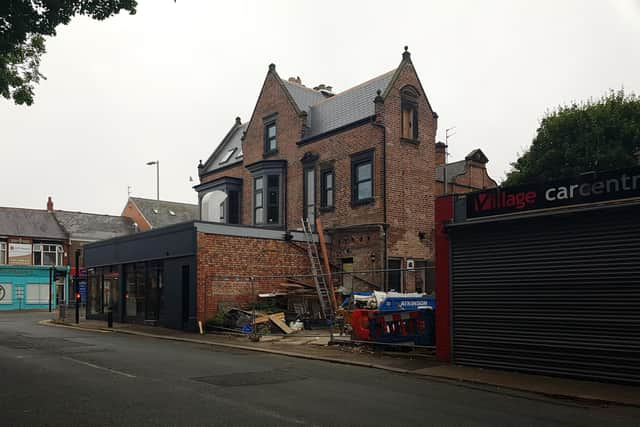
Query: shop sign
x=588 y=188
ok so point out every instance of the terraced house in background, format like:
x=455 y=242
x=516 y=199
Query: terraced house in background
x=37 y=252
x=362 y=160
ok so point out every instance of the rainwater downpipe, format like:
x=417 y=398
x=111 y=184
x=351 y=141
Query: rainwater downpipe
x=383 y=227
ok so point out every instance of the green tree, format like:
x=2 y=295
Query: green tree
x=578 y=138
x=24 y=24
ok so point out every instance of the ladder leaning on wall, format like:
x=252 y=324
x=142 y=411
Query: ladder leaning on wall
x=319 y=278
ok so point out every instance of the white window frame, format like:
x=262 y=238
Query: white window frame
x=3 y=253
x=56 y=249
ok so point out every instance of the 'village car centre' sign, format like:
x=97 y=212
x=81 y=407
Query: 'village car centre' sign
x=588 y=188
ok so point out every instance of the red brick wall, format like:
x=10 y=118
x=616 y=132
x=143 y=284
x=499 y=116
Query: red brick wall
x=235 y=171
x=475 y=178
x=410 y=173
x=131 y=211
x=273 y=99
x=242 y=256
x=410 y=170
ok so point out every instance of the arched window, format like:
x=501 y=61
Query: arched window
x=213 y=204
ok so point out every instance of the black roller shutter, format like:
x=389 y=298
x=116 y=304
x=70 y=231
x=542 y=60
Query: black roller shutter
x=558 y=295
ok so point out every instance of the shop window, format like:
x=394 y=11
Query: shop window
x=37 y=293
x=94 y=291
x=362 y=177
x=327 y=178
x=3 y=252
x=47 y=254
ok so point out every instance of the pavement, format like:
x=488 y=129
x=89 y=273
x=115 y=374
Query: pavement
x=315 y=346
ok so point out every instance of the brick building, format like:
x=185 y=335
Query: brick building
x=37 y=252
x=147 y=214
x=362 y=160
x=177 y=275
x=462 y=176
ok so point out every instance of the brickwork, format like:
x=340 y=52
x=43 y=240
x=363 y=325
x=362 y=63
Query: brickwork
x=475 y=178
x=273 y=99
x=131 y=211
x=241 y=256
x=410 y=172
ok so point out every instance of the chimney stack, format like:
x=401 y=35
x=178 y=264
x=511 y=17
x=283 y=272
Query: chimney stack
x=441 y=153
x=49 y=205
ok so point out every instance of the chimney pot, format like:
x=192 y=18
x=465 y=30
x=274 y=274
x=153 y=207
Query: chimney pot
x=49 y=204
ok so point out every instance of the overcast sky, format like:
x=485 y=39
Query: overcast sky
x=168 y=82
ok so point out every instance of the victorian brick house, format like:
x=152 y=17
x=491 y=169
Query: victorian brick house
x=362 y=160
x=462 y=176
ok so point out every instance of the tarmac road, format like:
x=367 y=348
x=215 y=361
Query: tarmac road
x=60 y=376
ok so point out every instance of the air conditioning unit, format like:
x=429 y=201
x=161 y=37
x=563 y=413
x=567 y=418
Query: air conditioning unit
x=411 y=264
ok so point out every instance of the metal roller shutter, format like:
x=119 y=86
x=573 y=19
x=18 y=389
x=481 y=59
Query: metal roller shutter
x=558 y=295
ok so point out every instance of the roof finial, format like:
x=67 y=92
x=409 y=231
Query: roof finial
x=272 y=67
x=200 y=165
x=238 y=121
x=378 y=97
x=406 y=55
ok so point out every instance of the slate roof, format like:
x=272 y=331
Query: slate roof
x=303 y=96
x=30 y=223
x=324 y=114
x=93 y=227
x=159 y=212
x=346 y=107
x=232 y=141
x=453 y=170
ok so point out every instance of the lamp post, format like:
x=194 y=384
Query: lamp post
x=157 y=163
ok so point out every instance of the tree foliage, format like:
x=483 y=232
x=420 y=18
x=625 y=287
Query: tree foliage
x=24 y=24
x=578 y=138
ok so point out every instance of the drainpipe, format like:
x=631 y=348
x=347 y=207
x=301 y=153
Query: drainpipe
x=379 y=104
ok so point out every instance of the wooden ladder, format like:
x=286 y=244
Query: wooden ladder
x=324 y=291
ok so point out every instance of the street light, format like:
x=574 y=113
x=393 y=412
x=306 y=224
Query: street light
x=157 y=163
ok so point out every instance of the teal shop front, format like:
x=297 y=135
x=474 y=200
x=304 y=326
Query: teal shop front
x=32 y=287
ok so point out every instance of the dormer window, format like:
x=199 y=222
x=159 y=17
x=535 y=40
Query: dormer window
x=409 y=114
x=227 y=156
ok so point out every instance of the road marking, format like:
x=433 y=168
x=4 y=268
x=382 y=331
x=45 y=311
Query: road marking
x=102 y=368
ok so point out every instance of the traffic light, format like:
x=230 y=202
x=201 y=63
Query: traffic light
x=78 y=296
